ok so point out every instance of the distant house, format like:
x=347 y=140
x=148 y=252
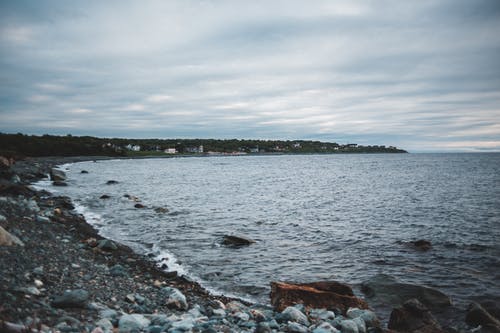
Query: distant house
x=133 y=147
x=254 y=150
x=296 y=145
x=194 y=150
x=170 y=151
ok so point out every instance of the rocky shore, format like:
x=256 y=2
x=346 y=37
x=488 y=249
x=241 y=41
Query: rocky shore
x=58 y=275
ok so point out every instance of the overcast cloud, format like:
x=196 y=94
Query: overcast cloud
x=421 y=75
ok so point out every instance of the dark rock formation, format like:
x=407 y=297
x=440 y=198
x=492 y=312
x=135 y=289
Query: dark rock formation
x=413 y=316
x=478 y=315
x=236 y=241
x=387 y=290
x=71 y=299
x=111 y=182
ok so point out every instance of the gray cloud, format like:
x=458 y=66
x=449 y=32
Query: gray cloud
x=421 y=75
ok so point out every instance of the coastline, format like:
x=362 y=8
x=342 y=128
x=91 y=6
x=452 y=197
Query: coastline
x=62 y=252
x=61 y=243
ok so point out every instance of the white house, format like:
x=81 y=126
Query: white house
x=133 y=147
x=170 y=151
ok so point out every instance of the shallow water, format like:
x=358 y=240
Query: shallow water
x=313 y=217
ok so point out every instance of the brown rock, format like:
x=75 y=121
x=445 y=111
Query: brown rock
x=327 y=294
x=413 y=317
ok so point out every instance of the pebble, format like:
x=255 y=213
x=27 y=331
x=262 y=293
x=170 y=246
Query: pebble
x=174 y=298
x=325 y=328
x=349 y=326
x=293 y=314
x=132 y=322
x=293 y=327
x=71 y=299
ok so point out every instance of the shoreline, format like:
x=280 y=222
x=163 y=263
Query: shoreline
x=63 y=251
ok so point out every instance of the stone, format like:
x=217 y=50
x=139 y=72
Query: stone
x=71 y=299
x=325 y=328
x=138 y=205
x=241 y=316
x=111 y=182
x=104 y=196
x=84 y=171
x=219 y=313
x=174 y=298
x=236 y=241
x=42 y=219
x=368 y=316
x=183 y=325
x=421 y=245
x=293 y=314
x=132 y=322
x=293 y=327
x=59 y=183
x=38 y=283
x=478 y=315
x=38 y=270
x=118 y=270
x=386 y=290
x=161 y=210
x=263 y=327
x=328 y=294
x=413 y=316
x=348 y=326
x=108 y=313
x=107 y=245
x=105 y=324
x=57 y=175
x=7 y=239
x=322 y=314
x=361 y=324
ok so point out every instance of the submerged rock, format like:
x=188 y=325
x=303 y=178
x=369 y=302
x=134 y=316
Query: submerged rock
x=59 y=183
x=138 y=205
x=327 y=294
x=387 y=290
x=71 y=299
x=236 y=241
x=107 y=245
x=84 y=171
x=421 y=245
x=111 y=182
x=104 y=196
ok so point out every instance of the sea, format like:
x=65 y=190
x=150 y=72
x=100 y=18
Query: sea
x=313 y=217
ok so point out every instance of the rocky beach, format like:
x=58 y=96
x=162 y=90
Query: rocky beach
x=59 y=275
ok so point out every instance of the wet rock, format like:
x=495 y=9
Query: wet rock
x=161 y=210
x=132 y=323
x=421 y=245
x=59 y=183
x=413 y=316
x=321 y=314
x=38 y=270
x=477 y=315
x=293 y=314
x=138 y=205
x=369 y=317
x=57 y=175
x=174 y=298
x=84 y=171
x=348 y=326
x=42 y=219
x=263 y=327
x=361 y=324
x=107 y=245
x=387 y=290
x=296 y=328
x=325 y=328
x=111 y=182
x=118 y=270
x=104 y=196
x=7 y=239
x=71 y=299
x=329 y=295
x=236 y=241
x=105 y=324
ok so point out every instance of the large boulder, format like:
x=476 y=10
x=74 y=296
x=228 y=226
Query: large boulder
x=413 y=316
x=386 y=290
x=236 y=241
x=71 y=299
x=7 y=239
x=478 y=315
x=327 y=294
x=57 y=175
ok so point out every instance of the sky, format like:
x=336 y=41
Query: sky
x=420 y=75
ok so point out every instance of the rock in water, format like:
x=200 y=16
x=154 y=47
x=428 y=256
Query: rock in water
x=71 y=299
x=7 y=239
x=477 y=315
x=174 y=298
x=413 y=316
x=59 y=183
x=84 y=171
x=57 y=175
x=387 y=290
x=111 y=182
x=236 y=241
x=138 y=205
x=327 y=294
x=421 y=245
x=107 y=245
x=104 y=196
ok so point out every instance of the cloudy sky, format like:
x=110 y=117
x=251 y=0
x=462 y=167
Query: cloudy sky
x=422 y=75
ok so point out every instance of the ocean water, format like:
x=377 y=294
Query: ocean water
x=313 y=217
